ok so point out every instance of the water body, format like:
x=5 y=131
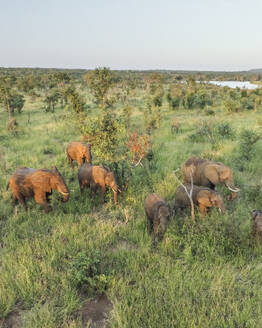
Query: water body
x=235 y=84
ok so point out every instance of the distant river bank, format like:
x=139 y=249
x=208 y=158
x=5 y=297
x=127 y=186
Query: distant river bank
x=235 y=84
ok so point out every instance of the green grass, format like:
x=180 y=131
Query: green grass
x=206 y=274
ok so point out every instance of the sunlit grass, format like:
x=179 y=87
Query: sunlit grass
x=206 y=274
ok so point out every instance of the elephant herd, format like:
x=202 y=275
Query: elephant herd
x=39 y=183
x=200 y=177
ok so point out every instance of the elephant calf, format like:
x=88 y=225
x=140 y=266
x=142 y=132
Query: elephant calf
x=203 y=197
x=37 y=183
x=257 y=224
x=97 y=177
x=157 y=212
x=76 y=151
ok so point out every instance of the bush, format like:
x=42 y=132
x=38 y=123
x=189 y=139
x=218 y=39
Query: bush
x=225 y=130
x=246 y=143
x=86 y=273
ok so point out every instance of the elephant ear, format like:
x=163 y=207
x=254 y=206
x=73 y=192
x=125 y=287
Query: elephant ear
x=212 y=174
x=203 y=198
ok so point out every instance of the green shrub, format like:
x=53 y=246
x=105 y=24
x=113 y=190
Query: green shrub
x=225 y=130
x=86 y=273
x=246 y=143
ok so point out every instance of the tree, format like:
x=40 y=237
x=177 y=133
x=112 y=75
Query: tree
x=10 y=99
x=100 y=81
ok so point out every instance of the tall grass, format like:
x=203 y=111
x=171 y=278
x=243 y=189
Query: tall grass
x=206 y=274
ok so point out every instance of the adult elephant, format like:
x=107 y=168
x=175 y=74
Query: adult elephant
x=208 y=174
x=93 y=177
x=38 y=183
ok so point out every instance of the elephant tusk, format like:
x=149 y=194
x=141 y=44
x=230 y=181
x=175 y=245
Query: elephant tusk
x=233 y=190
x=64 y=193
x=219 y=209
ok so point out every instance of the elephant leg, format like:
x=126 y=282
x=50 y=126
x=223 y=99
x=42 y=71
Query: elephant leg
x=14 y=200
x=22 y=200
x=40 y=198
x=163 y=223
x=70 y=161
x=80 y=161
x=156 y=226
x=103 y=190
x=202 y=209
x=150 y=224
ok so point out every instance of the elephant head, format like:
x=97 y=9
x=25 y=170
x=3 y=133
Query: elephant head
x=87 y=153
x=110 y=181
x=164 y=213
x=208 y=198
x=57 y=182
x=218 y=173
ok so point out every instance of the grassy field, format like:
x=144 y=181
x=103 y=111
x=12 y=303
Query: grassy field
x=205 y=275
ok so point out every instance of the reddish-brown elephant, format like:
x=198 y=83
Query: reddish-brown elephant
x=76 y=151
x=37 y=183
x=94 y=177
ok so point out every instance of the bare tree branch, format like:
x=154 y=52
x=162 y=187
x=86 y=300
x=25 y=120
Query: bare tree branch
x=189 y=194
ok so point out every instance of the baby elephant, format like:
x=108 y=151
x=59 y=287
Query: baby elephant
x=76 y=151
x=95 y=177
x=157 y=212
x=257 y=224
x=203 y=197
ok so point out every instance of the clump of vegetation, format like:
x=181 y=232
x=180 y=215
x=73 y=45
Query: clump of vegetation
x=138 y=146
x=248 y=138
x=175 y=126
x=12 y=126
x=225 y=130
x=86 y=273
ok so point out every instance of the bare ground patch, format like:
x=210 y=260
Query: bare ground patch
x=13 y=320
x=95 y=313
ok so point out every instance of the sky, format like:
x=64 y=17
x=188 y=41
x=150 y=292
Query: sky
x=132 y=34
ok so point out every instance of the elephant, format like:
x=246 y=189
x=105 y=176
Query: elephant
x=38 y=183
x=158 y=212
x=203 y=197
x=94 y=176
x=208 y=174
x=257 y=224
x=78 y=152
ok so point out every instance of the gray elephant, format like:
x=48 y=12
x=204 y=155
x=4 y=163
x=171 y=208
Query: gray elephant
x=208 y=174
x=203 y=197
x=157 y=212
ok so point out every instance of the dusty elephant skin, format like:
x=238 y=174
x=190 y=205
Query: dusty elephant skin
x=76 y=151
x=208 y=174
x=37 y=183
x=257 y=224
x=94 y=177
x=203 y=197
x=157 y=212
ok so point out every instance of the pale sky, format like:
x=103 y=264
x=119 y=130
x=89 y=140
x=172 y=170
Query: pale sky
x=132 y=34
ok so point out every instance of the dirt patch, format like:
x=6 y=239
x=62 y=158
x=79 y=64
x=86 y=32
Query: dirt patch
x=95 y=312
x=13 y=320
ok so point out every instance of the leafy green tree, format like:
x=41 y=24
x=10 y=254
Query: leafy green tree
x=100 y=81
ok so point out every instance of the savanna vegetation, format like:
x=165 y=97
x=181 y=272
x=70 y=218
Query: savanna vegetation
x=143 y=126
